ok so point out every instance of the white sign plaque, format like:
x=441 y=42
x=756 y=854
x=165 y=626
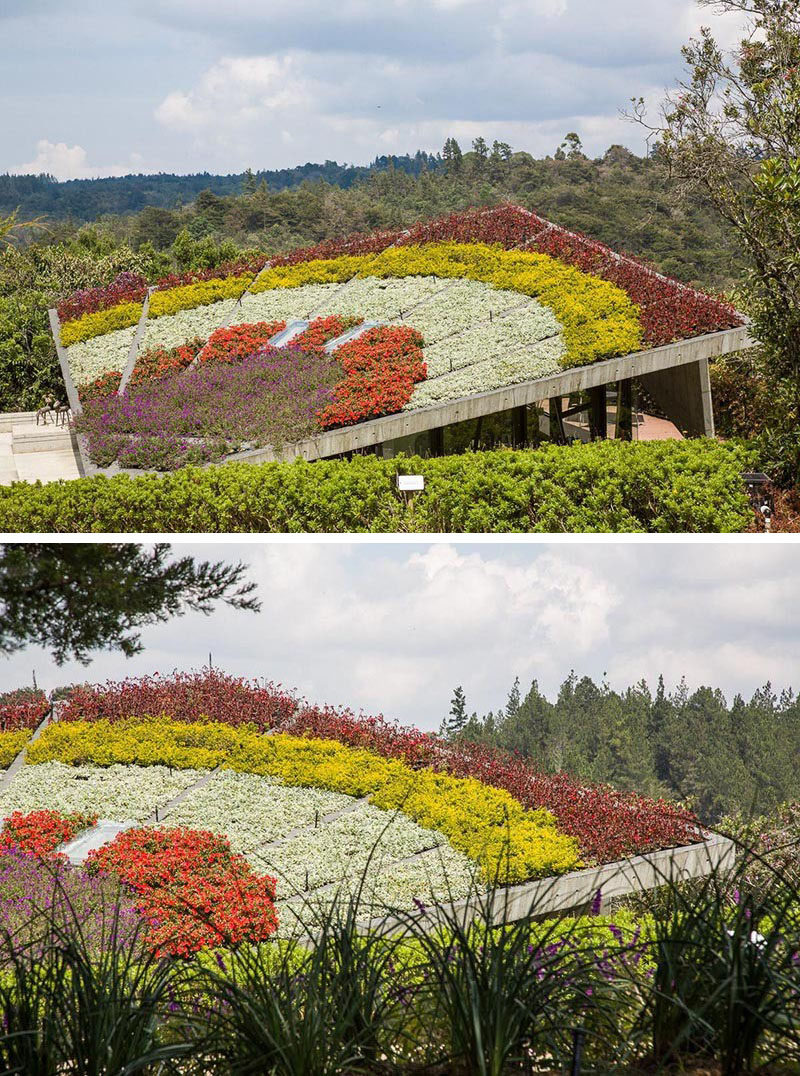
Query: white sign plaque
x=409 y=482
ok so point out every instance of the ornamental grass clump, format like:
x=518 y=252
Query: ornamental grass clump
x=269 y=398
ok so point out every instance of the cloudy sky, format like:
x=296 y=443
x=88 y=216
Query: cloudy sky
x=393 y=628
x=89 y=87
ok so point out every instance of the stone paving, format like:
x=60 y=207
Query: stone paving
x=29 y=452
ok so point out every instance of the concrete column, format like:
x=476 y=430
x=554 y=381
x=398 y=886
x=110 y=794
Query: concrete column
x=598 y=413
x=557 y=433
x=684 y=395
x=519 y=426
x=625 y=410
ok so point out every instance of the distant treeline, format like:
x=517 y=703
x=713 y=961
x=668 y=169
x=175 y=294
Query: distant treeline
x=619 y=198
x=87 y=199
x=692 y=746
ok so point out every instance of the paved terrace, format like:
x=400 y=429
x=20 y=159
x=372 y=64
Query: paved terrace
x=30 y=453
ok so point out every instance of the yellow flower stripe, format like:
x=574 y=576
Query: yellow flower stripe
x=11 y=743
x=599 y=319
x=101 y=322
x=508 y=841
x=203 y=293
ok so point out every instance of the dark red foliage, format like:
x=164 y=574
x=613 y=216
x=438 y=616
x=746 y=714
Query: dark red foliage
x=607 y=823
x=192 y=276
x=204 y=696
x=126 y=288
x=22 y=709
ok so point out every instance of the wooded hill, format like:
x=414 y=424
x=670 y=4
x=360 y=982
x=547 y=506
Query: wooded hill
x=619 y=198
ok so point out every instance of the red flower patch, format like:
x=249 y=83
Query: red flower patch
x=238 y=341
x=41 y=832
x=192 y=888
x=322 y=330
x=381 y=368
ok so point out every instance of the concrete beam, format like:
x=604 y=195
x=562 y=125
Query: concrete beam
x=572 y=892
x=133 y=352
x=63 y=362
x=578 y=379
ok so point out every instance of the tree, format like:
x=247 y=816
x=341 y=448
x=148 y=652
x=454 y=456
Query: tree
x=501 y=151
x=456 y=722
x=11 y=224
x=78 y=598
x=513 y=701
x=731 y=132
x=573 y=146
x=452 y=156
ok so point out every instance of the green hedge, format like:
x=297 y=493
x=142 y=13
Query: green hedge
x=606 y=486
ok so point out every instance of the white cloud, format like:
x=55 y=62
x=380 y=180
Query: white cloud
x=71 y=162
x=394 y=628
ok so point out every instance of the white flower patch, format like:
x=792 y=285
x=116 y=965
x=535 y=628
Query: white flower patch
x=284 y=304
x=511 y=332
x=460 y=306
x=344 y=847
x=440 y=876
x=383 y=299
x=90 y=359
x=251 y=810
x=172 y=330
x=117 y=793
x=540 y=360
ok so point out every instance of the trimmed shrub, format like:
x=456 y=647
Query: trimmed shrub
x=608 y=486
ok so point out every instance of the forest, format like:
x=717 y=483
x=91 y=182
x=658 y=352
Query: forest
x=717 y=757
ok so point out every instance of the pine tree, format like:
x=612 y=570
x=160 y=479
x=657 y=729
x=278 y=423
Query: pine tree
x=513 y=703
x=456 y=722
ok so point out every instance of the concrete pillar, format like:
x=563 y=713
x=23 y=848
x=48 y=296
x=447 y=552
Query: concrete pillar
x=557 y=433
x=437 y=441
x=598 y=414
x=625 y=410
x=684 y=395
x=519 y=426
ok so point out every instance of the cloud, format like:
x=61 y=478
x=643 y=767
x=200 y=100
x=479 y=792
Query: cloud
x=394 y=628
x=71 y=162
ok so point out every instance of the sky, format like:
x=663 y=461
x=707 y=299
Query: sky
x=107 y=88
x=393 y=628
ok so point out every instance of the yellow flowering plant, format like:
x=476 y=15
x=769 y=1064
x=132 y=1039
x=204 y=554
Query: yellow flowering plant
x=511 y=843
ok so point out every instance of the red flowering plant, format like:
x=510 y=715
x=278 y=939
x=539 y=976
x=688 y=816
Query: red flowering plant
x=125 y=288
x=381 y=368
x=39 y=833
x=322 y=330
x=237 y=342
x=24 y=708
x=192 y=888
x=158 y=362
